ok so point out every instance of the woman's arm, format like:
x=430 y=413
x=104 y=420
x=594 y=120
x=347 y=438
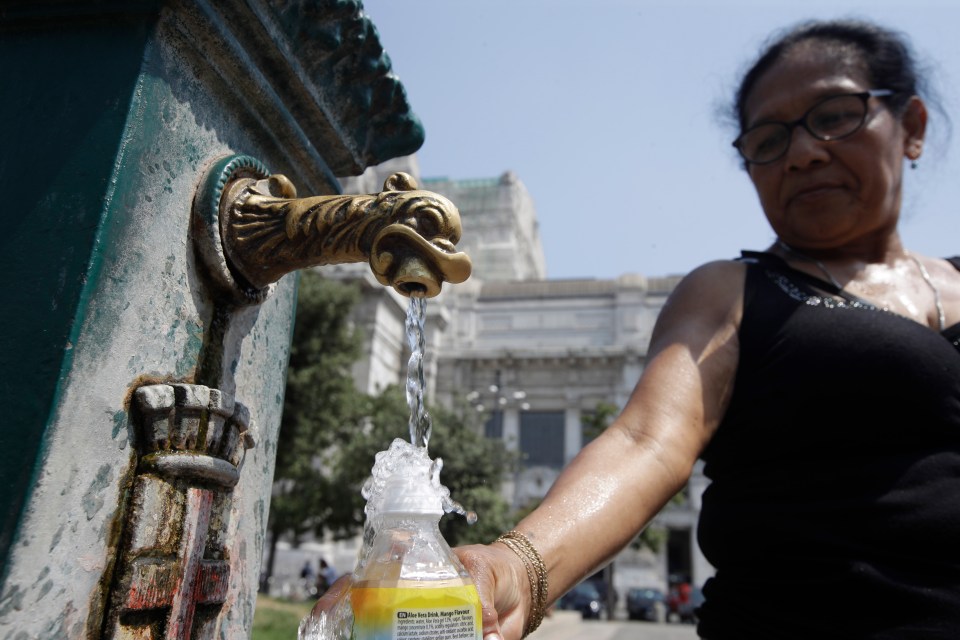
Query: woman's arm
x=619 y=482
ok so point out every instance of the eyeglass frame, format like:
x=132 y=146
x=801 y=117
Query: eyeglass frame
x=802 y=121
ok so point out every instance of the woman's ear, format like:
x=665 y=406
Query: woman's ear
x=914 y=121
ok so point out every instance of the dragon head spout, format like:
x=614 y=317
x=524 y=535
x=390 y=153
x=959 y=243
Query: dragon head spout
x=415 y=252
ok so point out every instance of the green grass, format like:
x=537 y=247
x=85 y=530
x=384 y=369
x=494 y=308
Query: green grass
x=276 y=619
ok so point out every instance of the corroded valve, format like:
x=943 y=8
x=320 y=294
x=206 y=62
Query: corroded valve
x=263 y=231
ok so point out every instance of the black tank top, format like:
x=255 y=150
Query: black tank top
x=834 y=504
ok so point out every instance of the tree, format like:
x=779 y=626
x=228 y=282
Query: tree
x=320 y=405
x=595 y=422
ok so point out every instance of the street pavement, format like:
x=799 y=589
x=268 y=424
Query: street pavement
x=567 y=625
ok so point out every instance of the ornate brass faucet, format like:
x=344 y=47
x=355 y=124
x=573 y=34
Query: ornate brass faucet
x=263 y=231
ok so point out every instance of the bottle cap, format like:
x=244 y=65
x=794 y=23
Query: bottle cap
x=411 y=492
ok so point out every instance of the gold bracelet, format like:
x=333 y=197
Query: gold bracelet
x=536 y=574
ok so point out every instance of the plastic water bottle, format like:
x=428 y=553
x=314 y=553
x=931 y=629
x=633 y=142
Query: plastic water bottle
x=412 y=586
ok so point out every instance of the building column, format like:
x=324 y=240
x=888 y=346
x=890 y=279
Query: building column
x=573 y=434
x=630 y=373
x=511 y=429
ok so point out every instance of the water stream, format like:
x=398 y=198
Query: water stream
x=337 y=623
x=420 y=425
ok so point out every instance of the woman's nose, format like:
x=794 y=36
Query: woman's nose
x=804 y=150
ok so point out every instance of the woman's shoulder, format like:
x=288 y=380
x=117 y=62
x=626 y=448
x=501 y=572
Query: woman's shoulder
x=720 y=275
x=704 y=311
x=713 y=289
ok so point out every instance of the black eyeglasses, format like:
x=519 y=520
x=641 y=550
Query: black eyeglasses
x=830 y=119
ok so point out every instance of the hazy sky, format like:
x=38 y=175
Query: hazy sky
x=611 y=113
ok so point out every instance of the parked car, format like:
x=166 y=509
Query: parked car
x=584 y=598
x=647 y=603
x=687 y=611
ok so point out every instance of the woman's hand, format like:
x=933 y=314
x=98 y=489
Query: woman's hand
x=504 y=589
x=501 y=582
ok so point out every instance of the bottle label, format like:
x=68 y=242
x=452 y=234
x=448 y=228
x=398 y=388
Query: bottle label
x=382 y=613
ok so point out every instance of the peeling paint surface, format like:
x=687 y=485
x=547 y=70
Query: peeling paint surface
x=93 y=498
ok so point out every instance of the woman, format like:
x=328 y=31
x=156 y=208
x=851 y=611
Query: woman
x=819 y=380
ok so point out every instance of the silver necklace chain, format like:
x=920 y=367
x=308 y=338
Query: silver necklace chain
x=783 y=245
x=941 y=316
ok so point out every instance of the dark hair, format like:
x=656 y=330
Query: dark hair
x=885 y=54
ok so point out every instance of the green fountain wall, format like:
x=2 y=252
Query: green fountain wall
x=111 y=113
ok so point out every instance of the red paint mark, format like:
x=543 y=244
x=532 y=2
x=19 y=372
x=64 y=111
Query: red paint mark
x=181 y=583
x=195 y=525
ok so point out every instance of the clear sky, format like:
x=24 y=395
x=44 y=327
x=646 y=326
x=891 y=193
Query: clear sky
x=610 y=112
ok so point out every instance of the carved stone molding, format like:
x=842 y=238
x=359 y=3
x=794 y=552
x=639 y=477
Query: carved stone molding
x=340 y=50
x=315 y=72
